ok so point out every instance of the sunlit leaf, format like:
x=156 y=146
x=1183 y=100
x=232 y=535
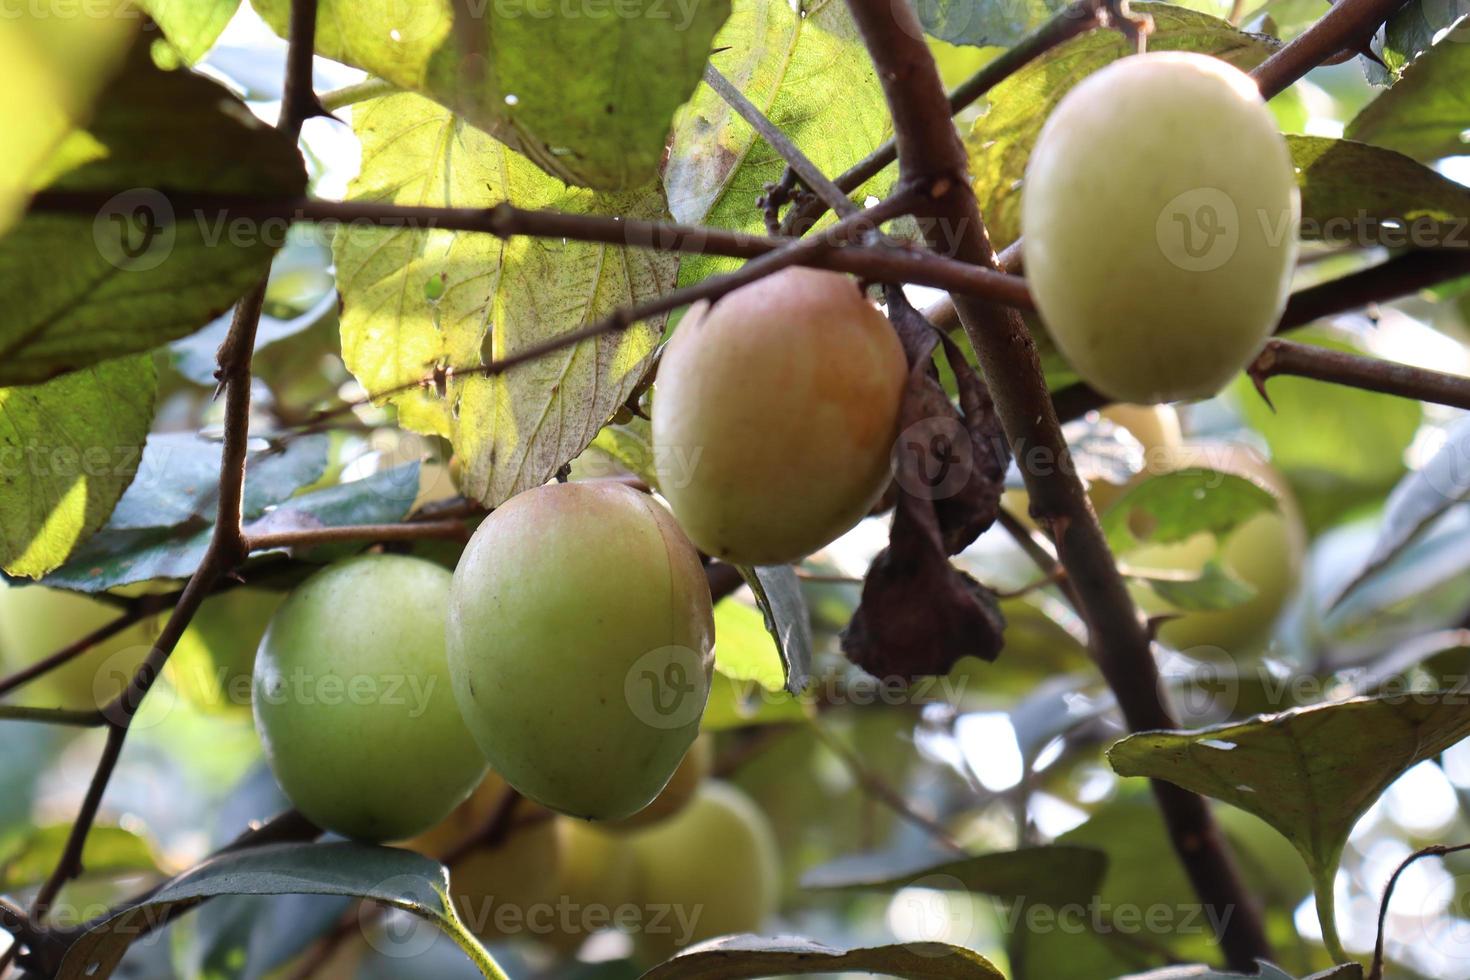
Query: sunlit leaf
x=739 y=957
x=585 y=92
x=492 y=298
x=69 y=448
x=796 y=63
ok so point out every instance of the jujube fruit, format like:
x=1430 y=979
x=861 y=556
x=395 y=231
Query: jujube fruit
x=774 y=414
x=1159 y=212
x=580 y=645
x=353 y=700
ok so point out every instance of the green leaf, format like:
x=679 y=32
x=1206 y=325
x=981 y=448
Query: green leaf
x=778 y=593
x=1309 y=772
x=1408 y=34
x=797 y=62
x=28 y=859
x=401 y=879
x=628 y=445
x=1170 y=507
x=1001 y=139
x=162 y=525
x=82 y=288
x=983 y=24
x=514 y=430
x=1056 y=875
x=1427 y=112
x=586 y=92
x=1420 y=499
x=1350 y=190
x=54 y=69
x=744 y=651
x=1338 y=446
x=69 y=448
x=739 y=957
x=1215 y=587
x=191 y=26
x=1267 y=971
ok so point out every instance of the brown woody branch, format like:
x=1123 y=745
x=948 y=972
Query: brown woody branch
x=1285 y=357
x=1074 y=19
x=1399 y=276
x=226 y=547
x=447 y=530
x=1348 y=26
x=877 y=263
x=928 y=147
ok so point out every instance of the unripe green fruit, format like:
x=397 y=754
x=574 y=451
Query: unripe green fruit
x=595 y=879
x=715 y=865
x=1264 y=551
x=36 y=621
x=1159 y=213
x=774 y=414
x=685 y=782
x=510 y=889
x=580 y=645
x=353 y=702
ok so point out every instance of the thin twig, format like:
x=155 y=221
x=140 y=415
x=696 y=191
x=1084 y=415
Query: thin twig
x=803 y=167
x=929 y=147
x=1399 y=276
x=1285 y=357
x=877 y=787
x=448 y=530
x=72 y=650
x=1076 y=18
x=226 y=547
x=1347 y=26
x=1434 y=850
x=875 y=263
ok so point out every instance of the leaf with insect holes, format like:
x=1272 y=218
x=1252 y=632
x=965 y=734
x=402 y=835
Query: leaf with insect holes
x=742 y=957
x=796 y=63
x=419 y=300
x=1427 y=112
x=1170 y=507
x=1001 y=139
x=74 y=445
x=586 y=92
x=81 y=288
x=1309 y=772
x=399 y=878
x=1350 y=190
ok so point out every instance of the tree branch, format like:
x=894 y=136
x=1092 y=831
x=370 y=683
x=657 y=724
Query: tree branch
x=448 y=530
x=796 y=161
x=1349 y=25
x=1399 y=276
x=876 y=263
x=1356 y=371
x=928 y=147
x=1072 y=20
x=226 y=546
x=1434 y=850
